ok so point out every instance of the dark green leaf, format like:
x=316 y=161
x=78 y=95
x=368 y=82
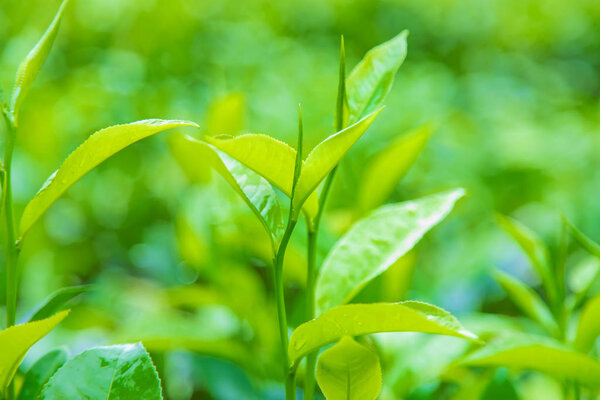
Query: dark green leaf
x=40 y=373
x=55 y=301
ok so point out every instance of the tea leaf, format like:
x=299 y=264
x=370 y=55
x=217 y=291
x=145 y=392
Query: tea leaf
x=32 y=64
x=374 y=243
x=349 y=371
x=527 y=300
x=362 y=319
x=271 y=158
x=40 y=373
x=326 y=155
x=254 y=189
x=123 y=371
x=16 y=341
x=534 y=248
x=371 y=80
x=539 y=354
x=52 y=304
x=588 y=328
x=584 y=241
x=391 y=165
x=97 y=148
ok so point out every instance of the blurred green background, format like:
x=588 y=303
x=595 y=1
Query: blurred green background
x=512 y=86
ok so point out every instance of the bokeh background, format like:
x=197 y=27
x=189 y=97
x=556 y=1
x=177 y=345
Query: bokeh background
x=512 y=86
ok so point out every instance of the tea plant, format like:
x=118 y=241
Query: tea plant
x=124 y=371
x=253 y=163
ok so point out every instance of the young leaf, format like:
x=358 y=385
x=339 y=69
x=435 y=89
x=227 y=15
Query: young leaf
x=272 y=159
x=40 y=373
x=97 y=148
x=534 y=248
x=32 y=64
x=349 y=371
x=390 y=165
x=16 y=341
x=326 y=155
x=254 y=189
x=53 y=303
x=588 y=328
x=371 y=80
x=117 y=372
x=362 y=319
x=539 y=354
x=374 y=243
x=527 y=300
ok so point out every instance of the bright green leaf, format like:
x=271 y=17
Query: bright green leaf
x=326 y=155
x=589 y=325
x=539 y=354
x=40 y=373
x=527 y=300
x=270 y=158
x=53 y=303
x=349 y=371
x=113 y=372
x=254 y=189
x=534 y=248
x=97 y=148
x=374 y=243
x=390 y=165
x=362 y=319
x=371 y=80
x=16 y=341
x=32 y=64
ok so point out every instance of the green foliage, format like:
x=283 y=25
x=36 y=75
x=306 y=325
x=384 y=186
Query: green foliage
x=349 y=371
x=374 y=243
x=55 y=301
x=40 y=372
x=588 y=328
x=118 y=372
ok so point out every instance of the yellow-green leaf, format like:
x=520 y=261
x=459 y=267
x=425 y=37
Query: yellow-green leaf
x=527 y=300
x=588 y=328
x=254 y=189
x=390 y=165
x=326 y=155
x=32 y=64
x=375 y=242
x=226 y=114
x=272 y=159
x=371 y=80
x=97 y=148
x=539 y=354
x=16 y=341
x=362 y=319
x=349 y=371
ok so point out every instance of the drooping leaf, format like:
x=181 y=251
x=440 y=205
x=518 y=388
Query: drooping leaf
x=588 y=328
x=539 y=354
x=16 y=341
x=349 y=371
x=362 y=319
x=326 y=155
x=40 y=373
x=527 y=300
x=97 y=148
x=371 y=80
x=254 y=189
x=390 y=165
x=32 y=64
x=123 y=371
x=272 y=159
x=534 y=248
x=56 y=300
x=374 y=243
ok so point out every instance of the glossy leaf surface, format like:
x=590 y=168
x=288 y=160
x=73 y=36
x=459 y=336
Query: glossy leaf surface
x=362 y=319
x=97 y=148
x=374 y=243
x=16 y=341
x=349 y=371
x=40 y=373
x=371 y=80
x=118 y=372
